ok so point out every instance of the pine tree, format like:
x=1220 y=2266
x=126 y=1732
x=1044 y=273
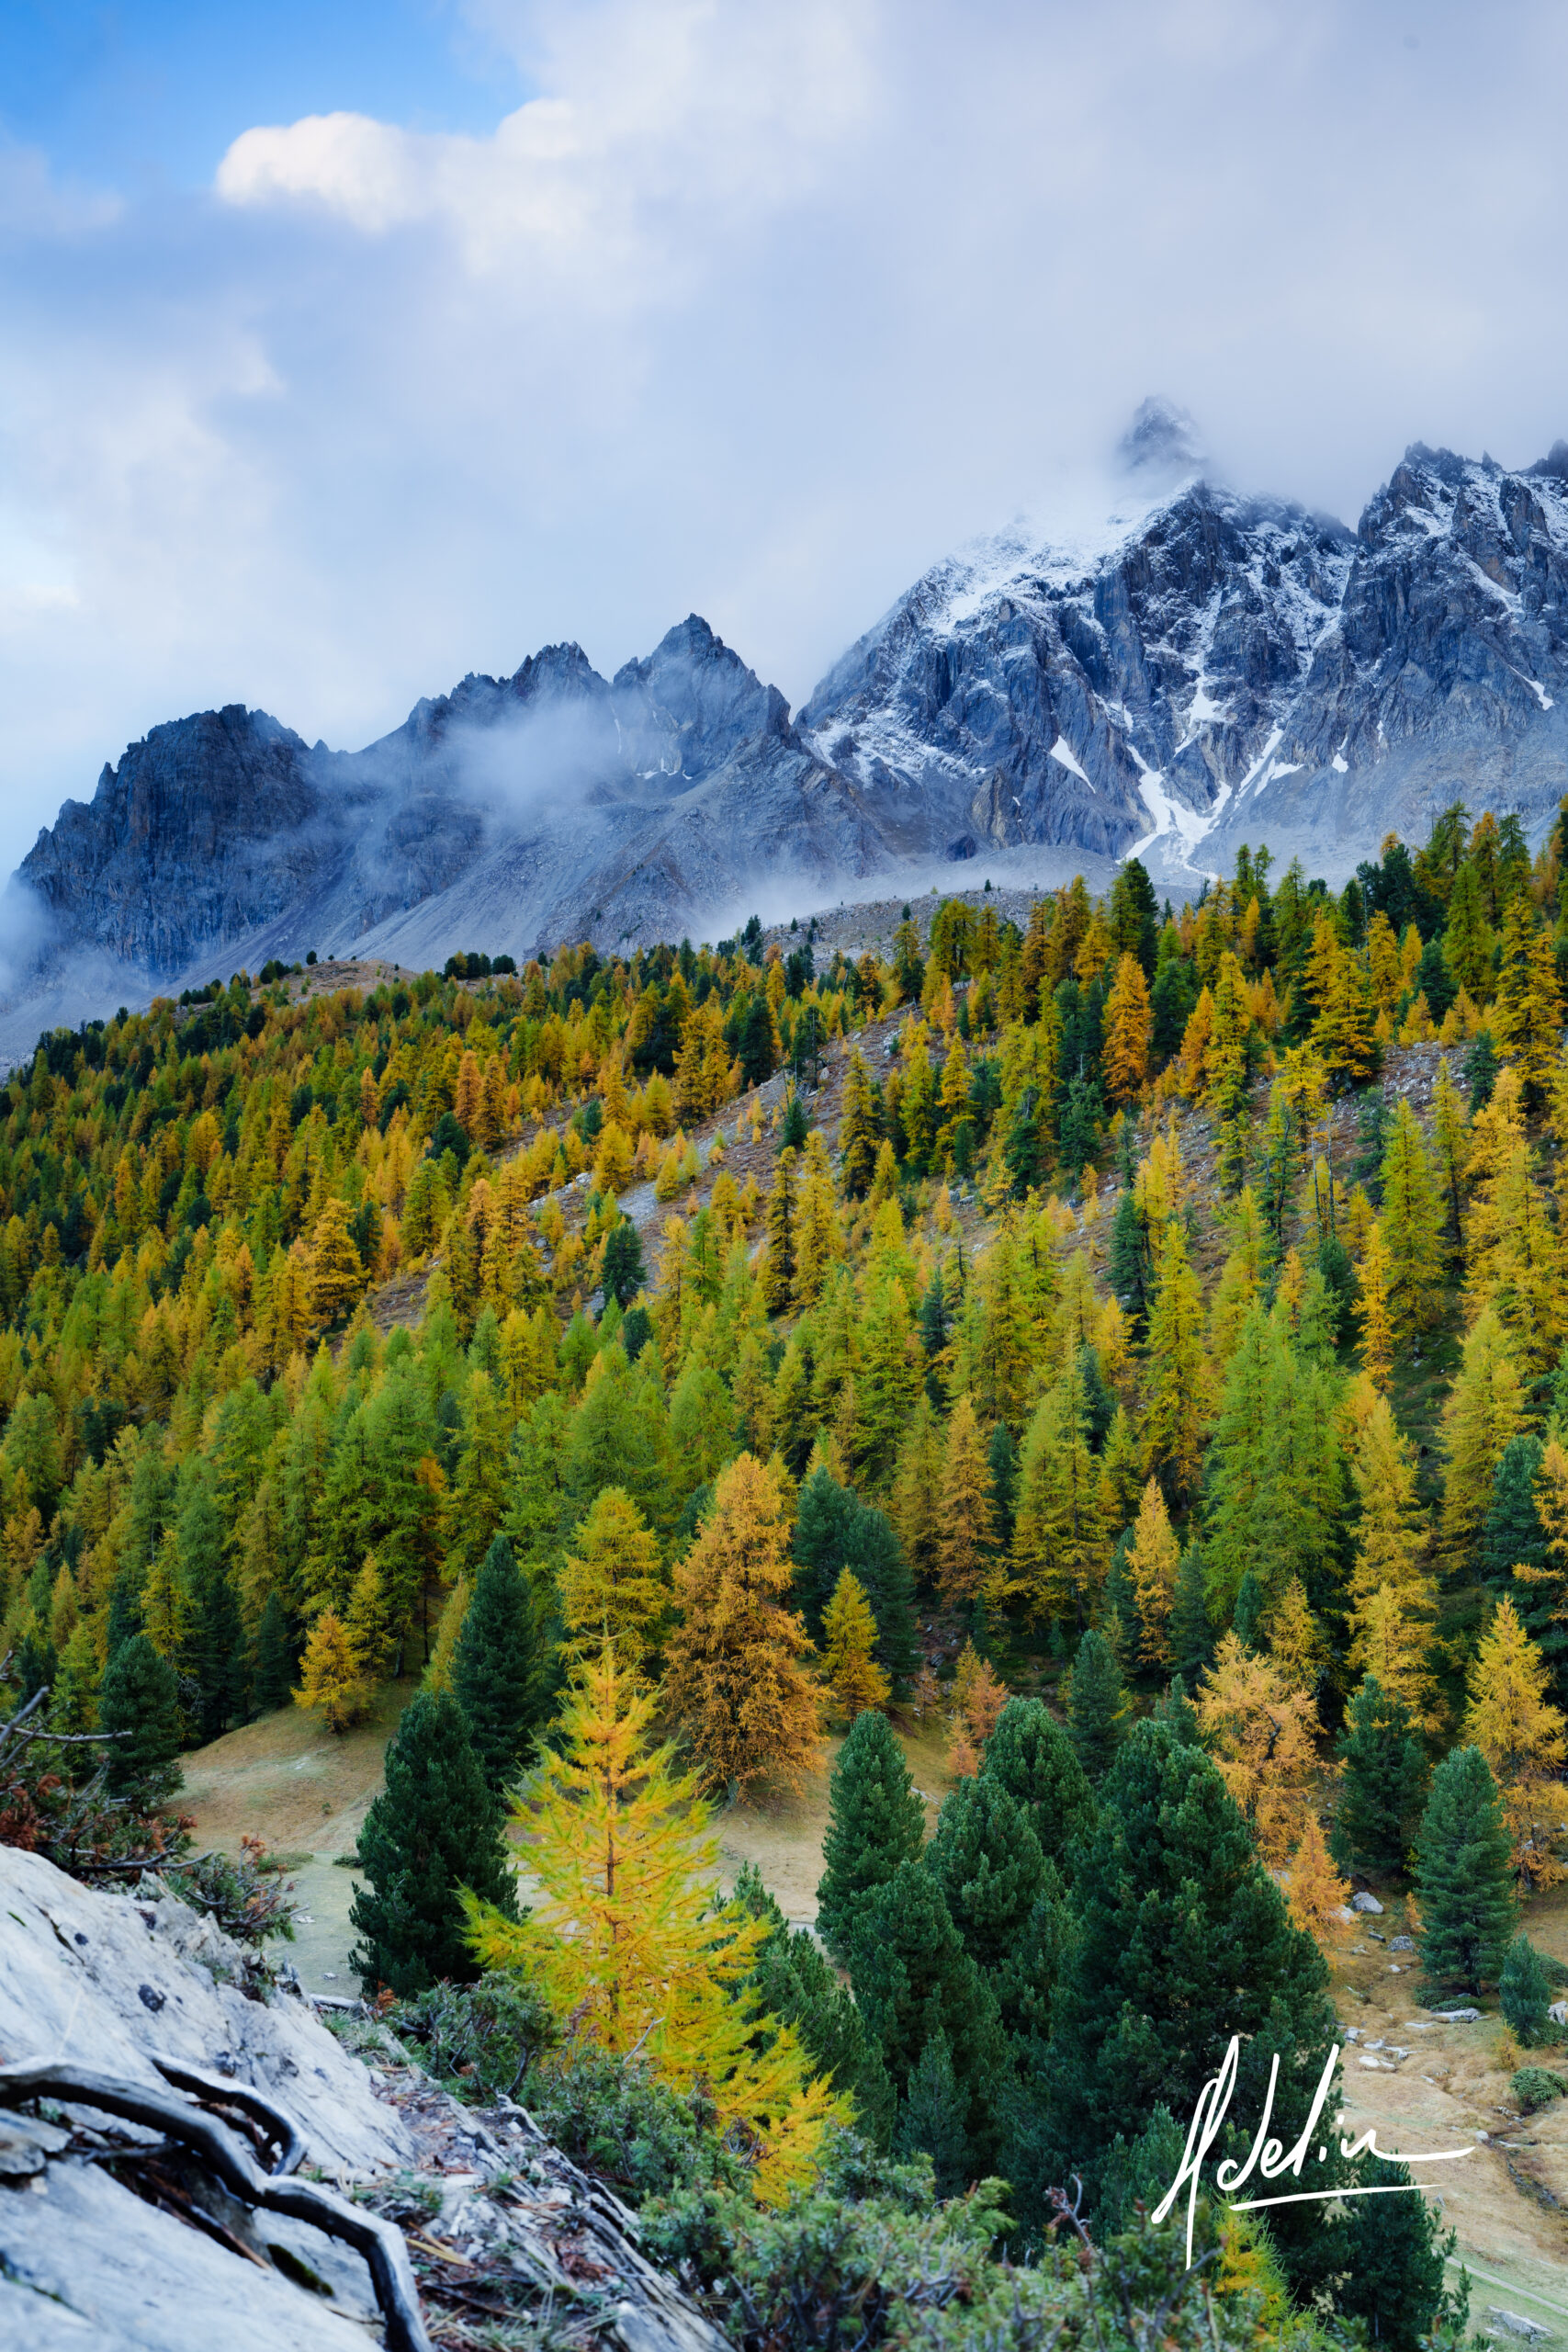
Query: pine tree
x=858 y=1133
x=913 y=1978
x=798 y=1985
x=1382 y=1784
x=874 y=1822
x=1541 y=1593
x=736 y=1672
x=1154 y=1557
x=1098 y=1707
x=965 y=1531
x=833 y=1530
x=1464 y=1875
x=1523 y=1738
x=434 y=1829
x=1512 y=1536
x=628 y=1942
x=848 y=1664
x=613 y=1587
x=1033 y=1759
x=273 y=1678
x=1411 y=1228
x=1191 y=1635
x=931 y=2119
x=139 y=1700
x=497 y=1668
x=1004 y=1899
x=1181 y=1940
x=329 y=1675
x=1524 y=1992
x=623 y=1272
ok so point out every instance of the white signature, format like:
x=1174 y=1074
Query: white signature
x=1269 y=2157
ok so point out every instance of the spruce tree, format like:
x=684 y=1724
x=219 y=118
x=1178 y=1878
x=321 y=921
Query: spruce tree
x=1524 y=1992
x=140 y=1698
x=1191 y=1636
x=874 y=1822
x=434 y=1829
x=1382 y=1784
x=496 y=1667
x=1032 y=1758
x=1004 y=1898
x=1392 y=2263
x=1098 y=1708
x=271 y=1678
x=623 y=1272
x=1248 y=1614
x=1464 y=1876
x=834 y=1529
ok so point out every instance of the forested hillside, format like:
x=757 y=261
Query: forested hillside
x=1118 y=1311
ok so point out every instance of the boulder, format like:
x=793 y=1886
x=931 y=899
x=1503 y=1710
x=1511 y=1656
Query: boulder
x=1362 y=1900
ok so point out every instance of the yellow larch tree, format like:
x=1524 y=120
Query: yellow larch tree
x=963 y=1532
x=1515 y=1260
x=1485 y=1407
x=1262 y=1737
x=1393 y=1596
x=1547 y=1586
x=1523 y=1738
x=613 y=1587
x=1153 y=1555
x=628 y=1943
x=1176 y=1403
x=1319 y=1899
x=737 y=1672
x=331 y=1676
x=978 y=1697
x=1295 y=1640
x=1373 y=1276
x=849 y=1655
x=1128 y=1026
x=1411 y=1226
x=336 y=1276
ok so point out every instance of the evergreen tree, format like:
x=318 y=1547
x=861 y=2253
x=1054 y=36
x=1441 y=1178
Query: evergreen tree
x=1191 y=1636
x=1004 y=1898
x=272 y=1678
x=624 y=1273
x=1248 y=1617
x=912 y=1979
x=1031 y=1756
x=1126 y=1263
x=797 y=1986
x=434 y=1829
x=1541 y=1593
x=833 y=1530
x=1183 y=1940
x=139 y=1699
x=858 y=1130
x=124 y=1612
x=496 y=1668
x=932 y=2120
x=1512 y=1536
x=1382 y=1786
x=1392 y=2263
x=778 y=1275
x=1098 y=1707
x=1002 y=1457
x=874 y=1822
x=1524 y=1992
x=1464 y=1875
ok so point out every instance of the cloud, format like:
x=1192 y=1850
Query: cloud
x=754 y=309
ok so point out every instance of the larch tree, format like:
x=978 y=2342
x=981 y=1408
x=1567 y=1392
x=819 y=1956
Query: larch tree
x=1393 y=1598
x=629 y=1943
x=858 y=1135
x=1318 y=1898
x=336 y=1275
x=1411 y=1228
x=1261 y=1735
x=1523 y=1738
x=1542 y=1598
x=1176 y=1378
x=736 y=1671
x=1128 y=1024
x=613 y=1587
x=778 y=1273
x=1485 y=1407
x=331 y=1676
x=1528 y=1013
x=963 y=1531
x=1373 y=1278
x=978 y=1698
x=1153 y=1557
x=849 y=1661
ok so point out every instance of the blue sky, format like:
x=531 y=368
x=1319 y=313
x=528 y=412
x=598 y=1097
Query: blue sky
x=144 y=93
x=353 y=346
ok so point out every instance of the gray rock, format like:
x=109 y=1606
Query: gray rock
x=1362 y=1900
x=109 y=1978
x=1401 y=1943
x=1456 y=2017
x=1513 y=2324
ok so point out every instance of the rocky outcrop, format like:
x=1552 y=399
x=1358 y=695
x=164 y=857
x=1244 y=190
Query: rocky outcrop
x=136 y=2216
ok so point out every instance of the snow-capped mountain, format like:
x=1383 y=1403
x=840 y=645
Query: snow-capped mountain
x=1175 y=670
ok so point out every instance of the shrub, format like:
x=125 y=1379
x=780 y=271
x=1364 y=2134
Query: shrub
x=479 y=2040
x=1537 y=2086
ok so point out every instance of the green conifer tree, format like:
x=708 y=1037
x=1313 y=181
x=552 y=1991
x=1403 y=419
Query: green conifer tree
x=1098 y=1706
x=272 y=1680
x=1464 y=1875
x=1191 y=1635
x=1032 y=1758
x=834 y=1529
x=1524 y=1992
x=931 y=2119
x=434 y=1829
x=1512 y=1535
x=139 y=1699
x=913 y=1978
x=798 y=1986
x=1383 y=1781
x=1004 y=1898
x=496 y=1671
x=876 y=1822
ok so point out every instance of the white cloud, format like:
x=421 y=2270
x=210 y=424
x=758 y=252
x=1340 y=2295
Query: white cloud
x=754 y=307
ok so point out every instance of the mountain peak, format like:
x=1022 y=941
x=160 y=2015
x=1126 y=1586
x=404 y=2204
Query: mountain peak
x=1161 y=443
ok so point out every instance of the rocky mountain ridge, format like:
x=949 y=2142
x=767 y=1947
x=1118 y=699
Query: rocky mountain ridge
x=1191 y=669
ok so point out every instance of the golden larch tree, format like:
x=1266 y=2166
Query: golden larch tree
x=613 y=1587
x=1153 y=1555
x=1485 y=1407
x=336 y=1276
x=1373 y=1278
x=1319 y=1899
x=849 y=1658
x=1262 y=1737
x=737 y=1672
x=1128 y=1024
x=1176 y=1402
x=1523 y=1738
x=963 y=1535
x=329 y=1674
x=978 y=1697
x=628 y=1943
